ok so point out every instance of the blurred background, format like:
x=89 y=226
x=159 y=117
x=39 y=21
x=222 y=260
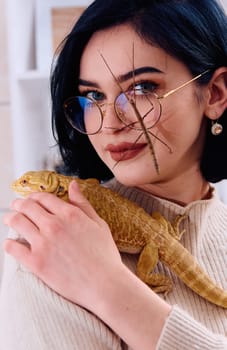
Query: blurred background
x=30 y=31
x=6 y=152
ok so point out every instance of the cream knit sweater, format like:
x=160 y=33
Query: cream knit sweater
x=33 y=317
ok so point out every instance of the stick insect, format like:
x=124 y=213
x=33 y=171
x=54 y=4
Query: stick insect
x=145 y=131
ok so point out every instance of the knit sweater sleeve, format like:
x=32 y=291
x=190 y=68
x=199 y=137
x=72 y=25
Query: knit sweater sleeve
x=33 y=317
x=182 y=332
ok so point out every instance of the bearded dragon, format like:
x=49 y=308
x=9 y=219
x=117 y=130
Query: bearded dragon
x=134 y=231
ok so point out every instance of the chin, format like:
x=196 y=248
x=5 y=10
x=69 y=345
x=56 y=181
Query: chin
x=132 y=180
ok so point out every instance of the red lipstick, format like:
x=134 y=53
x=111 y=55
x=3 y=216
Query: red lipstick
x=125 y=150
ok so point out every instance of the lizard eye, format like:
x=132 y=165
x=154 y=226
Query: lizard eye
x=24 y=182
x=42 y=188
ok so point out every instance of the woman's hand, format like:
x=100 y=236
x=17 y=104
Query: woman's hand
x=69 y=246
x=72 y=250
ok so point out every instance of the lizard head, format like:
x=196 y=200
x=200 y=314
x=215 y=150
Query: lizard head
x=35 y=181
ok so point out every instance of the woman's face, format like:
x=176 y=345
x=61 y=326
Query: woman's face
x=117 y=59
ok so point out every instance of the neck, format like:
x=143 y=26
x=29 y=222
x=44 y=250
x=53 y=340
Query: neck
x=181 y=193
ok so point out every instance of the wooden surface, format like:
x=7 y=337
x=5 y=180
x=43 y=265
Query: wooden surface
x=62 y=21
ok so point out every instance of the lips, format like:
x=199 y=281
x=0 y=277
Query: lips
x=125 y=150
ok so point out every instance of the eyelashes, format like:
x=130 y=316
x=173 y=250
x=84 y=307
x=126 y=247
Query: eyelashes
x=137 y=88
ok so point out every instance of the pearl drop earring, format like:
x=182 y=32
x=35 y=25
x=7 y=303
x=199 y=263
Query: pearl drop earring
x=216 y=128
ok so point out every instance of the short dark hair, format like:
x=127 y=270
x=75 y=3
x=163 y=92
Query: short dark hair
x=192 y=31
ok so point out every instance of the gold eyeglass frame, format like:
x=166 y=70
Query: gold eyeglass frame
x=102 y=113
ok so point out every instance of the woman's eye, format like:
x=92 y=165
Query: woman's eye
x=95 y=96
x=144 y=87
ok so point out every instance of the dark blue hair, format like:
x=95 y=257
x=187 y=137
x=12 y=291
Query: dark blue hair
x=192 y=31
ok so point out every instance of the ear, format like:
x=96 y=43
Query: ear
x=217 y=94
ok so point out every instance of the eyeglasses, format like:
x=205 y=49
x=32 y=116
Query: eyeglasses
x=132 y=108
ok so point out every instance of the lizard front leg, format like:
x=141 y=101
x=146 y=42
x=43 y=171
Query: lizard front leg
x=147 y=261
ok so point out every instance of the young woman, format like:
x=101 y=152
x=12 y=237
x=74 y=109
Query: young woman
x=69 y=288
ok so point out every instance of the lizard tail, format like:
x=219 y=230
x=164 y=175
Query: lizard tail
x=184 y=265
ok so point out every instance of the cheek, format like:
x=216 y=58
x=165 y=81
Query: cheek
x=181 y=115
x=181 y=129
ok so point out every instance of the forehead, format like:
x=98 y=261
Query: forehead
x=122 y=49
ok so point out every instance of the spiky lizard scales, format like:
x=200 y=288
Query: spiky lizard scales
x=134 y=231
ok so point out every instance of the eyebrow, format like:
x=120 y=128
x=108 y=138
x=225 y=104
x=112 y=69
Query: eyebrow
x=124 y=77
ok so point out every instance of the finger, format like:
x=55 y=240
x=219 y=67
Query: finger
x=55 y=205
x=50 y=202
x=22 y=225
x=18 y=250
x=77 y=198
x=32 y=209
x=24 y=204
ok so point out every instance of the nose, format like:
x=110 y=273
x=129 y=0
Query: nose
x=111 y=121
